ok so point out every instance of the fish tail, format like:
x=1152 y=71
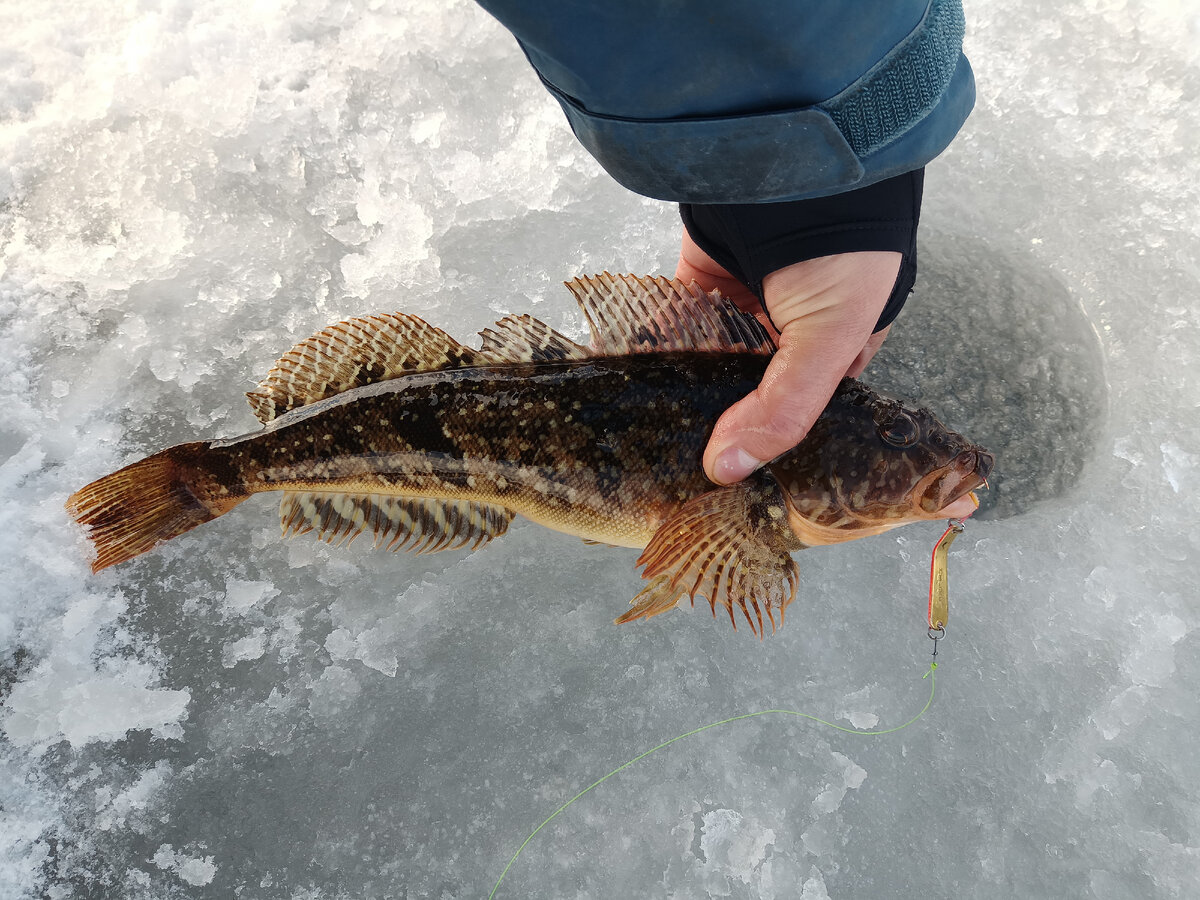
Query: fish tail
x=150 y=501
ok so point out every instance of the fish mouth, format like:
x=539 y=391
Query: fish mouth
x=938 y=493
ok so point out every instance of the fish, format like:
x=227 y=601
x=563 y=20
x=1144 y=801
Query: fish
x=387 y=425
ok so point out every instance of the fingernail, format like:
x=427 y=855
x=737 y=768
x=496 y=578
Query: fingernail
x=734 y=464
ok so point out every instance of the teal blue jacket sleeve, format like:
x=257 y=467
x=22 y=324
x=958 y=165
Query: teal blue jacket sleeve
x=716 y=101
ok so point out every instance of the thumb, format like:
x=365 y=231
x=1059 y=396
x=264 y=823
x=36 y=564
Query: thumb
x=776 y=416
x=826 y=308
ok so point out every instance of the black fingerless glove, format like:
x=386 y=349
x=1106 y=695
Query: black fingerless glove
x=751 y=240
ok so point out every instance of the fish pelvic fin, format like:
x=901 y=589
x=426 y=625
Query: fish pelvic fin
x=152 y=500
x=397 y=523
x=351 y=354
x=654 y=314
x=730 y=545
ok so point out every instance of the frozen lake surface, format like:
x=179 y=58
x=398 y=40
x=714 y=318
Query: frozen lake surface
x=190 y=188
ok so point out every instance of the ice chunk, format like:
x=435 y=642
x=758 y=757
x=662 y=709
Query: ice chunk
x=67 y=696
x=733 y=846
x=830 y=799
x=1179 y=466
x=814 y=886
x=333 y=693
x=1152 y=659
x=80 y=705
x=115 y=811
x=859 y=718
x=194 y=870
x=425 y=128
x=250 y=647
x=241 y=596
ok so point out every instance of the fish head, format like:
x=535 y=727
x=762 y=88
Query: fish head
x=872 y=462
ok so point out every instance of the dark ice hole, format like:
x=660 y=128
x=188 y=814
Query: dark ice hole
x=1000 y=350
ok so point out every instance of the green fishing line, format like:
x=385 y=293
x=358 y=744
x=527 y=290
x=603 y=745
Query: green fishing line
x=766 y=712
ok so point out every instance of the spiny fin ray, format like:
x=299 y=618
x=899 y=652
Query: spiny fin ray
x=627 y=314
x=654 y=314
x=722 y=546
x=526 y=339
x=351 y=354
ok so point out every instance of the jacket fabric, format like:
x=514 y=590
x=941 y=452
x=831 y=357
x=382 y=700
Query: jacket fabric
x=711 y=102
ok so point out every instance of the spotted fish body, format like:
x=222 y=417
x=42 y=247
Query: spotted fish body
x=579 y=446
x=388 y=425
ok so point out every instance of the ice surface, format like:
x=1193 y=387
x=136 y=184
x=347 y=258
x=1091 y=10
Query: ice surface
x=189 y=188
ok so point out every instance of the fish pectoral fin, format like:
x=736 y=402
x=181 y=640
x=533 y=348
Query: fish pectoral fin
x=398 y=523
x=526 y=339
x=656 y=597
x=352 y=353
x=732 y=546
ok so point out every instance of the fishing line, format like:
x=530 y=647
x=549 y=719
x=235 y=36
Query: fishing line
x=766 y=712
x=938 y=613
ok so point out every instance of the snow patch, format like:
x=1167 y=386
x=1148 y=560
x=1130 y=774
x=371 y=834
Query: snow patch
x=194 y=870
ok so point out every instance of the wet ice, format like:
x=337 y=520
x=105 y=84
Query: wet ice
x=189 y=189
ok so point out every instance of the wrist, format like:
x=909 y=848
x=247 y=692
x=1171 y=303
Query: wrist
x=751 y=241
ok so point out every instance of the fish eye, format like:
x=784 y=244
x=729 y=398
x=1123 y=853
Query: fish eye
x=900 y=430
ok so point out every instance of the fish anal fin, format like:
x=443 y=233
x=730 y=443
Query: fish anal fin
x=398 y=523
x=526 y=339
x=654 y=314
x=352 y=353
x=731 y=546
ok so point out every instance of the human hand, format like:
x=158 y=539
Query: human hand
x=826 y=308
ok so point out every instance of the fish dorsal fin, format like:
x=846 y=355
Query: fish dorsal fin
x=398 y=523
x=352 y=353
x=730 y=545
x=525 y=339
x=653 y=314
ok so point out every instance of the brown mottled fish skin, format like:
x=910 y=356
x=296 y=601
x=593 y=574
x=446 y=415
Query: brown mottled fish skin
x=386 y=424
x=604 y=449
